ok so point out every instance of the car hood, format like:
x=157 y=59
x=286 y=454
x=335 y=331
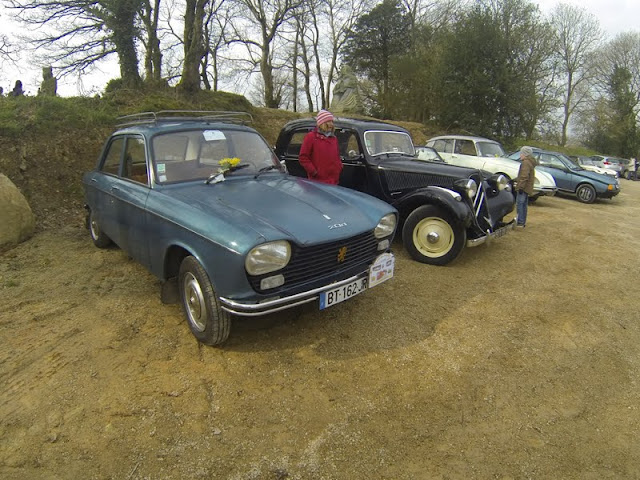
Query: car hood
x=281 y=207
x=412 y=164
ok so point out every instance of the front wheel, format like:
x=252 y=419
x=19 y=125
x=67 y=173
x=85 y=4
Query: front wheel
x=586 y=193
x=208 y=322
x=431 y=236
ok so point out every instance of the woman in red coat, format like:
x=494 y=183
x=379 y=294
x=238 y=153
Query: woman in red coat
x=319 y=153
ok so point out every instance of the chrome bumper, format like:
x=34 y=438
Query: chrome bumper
x=278 y=304
x=549 y=192
x=492 y=235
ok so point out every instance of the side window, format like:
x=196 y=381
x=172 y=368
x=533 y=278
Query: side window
x=465 y=147
x=348 y=143
x=442 y=145
x=111 y=163
x=135 y=167
x=293 y=149
x=550 y=161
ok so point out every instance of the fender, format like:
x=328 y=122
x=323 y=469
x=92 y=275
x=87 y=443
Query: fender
x=450 y=200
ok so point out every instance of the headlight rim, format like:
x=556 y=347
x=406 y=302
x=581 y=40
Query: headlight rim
x=264 y=266
x=387 y=229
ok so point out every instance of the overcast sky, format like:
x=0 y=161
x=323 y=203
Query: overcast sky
x=615 y=16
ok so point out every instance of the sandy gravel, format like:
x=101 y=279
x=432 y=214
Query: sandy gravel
x=519 y=361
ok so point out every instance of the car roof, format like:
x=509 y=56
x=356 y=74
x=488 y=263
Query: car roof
x=463 y=137
x=348 y=122
x=176 y=120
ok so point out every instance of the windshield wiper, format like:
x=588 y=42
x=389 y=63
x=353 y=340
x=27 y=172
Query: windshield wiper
x=265 y=169
x=219 y=176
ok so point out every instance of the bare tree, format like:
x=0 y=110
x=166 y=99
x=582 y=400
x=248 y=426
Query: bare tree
x=341 y=16
x=621 y=52
x=267 y=17
x=578 y=36
x=75 y=34
x=216 y=27
x=149 y=15
x=302 y=52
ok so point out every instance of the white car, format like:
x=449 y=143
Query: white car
x=485 y=154
x=589 y=163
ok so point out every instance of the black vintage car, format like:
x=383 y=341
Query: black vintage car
x=442 y=207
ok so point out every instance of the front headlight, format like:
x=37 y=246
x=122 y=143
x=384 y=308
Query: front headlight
x=469 y=186
x=386 y=226
x=501 y=182
x=268 y=257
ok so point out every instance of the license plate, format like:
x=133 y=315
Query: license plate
x=342 y=293
x=501 y=231
x=380 y=270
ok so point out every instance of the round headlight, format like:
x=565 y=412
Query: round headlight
x=386 y=226
x=471 y=187
x=268 y=257
x=502 y=182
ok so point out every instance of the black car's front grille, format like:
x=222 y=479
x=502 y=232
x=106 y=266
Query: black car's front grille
x=480 y=208
x=409 y=180
x=323 y=261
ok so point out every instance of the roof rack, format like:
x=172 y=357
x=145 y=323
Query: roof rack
x=162 y=116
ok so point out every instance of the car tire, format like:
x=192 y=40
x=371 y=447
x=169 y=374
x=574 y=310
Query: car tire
x=431 y=236
x=100 y=239
x=586 y=193
x=208 y=322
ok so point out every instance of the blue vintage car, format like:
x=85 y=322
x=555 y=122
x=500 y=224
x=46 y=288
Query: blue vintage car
x=203 y=202
x=571 y=178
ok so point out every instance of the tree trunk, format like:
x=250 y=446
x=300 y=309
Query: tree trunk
x=124 y=33
x=193 y=45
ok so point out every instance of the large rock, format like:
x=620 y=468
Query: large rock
x=17 y=222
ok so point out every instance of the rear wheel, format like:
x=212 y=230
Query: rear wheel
x=208 y=322
x=100 y=239
x=431 y=236
x=586 y=193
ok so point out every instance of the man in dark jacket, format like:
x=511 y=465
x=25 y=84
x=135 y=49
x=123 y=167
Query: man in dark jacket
x=319 y=153
x=524 y=184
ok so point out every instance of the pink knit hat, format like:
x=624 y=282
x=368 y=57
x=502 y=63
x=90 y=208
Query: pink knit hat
x=324 y=116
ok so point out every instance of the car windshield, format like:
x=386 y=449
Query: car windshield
x=490 y=149
x=381 y=142
x=429 y=154
x=570 y=163
x=197 y=154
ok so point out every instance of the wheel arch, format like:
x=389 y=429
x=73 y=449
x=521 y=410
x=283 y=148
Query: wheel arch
x=437 y=197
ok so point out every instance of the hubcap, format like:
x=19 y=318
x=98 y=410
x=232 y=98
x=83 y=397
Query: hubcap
x=95 y=230
x=433 y=237
x=194 y=302
x=585 y=194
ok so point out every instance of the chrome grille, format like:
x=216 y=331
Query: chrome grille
x=318 y=261
x=480 y=209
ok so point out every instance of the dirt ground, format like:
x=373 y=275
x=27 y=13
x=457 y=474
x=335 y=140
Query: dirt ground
x=520 y=360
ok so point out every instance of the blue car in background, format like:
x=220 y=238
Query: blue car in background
x=202 y=201
x=572 y=179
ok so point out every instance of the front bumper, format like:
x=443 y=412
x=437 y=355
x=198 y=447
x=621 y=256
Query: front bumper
x=474 y=242
x=609 y=193
x=276 y=304
x=544 y=192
